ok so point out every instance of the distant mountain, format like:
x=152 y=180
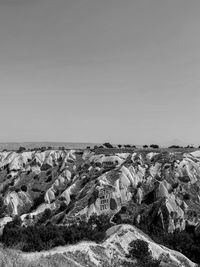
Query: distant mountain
x=176 y=142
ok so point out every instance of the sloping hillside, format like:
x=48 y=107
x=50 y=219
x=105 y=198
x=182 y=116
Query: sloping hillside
x=109 y=253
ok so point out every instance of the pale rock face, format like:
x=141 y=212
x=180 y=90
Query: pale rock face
x=3 y=222
x=151 y=155
x=17 y=201
x=50 y=195
x=195 y=154
x=66 y=195
x=122 y=177
x=155 y=169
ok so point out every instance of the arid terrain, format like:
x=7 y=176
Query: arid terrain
x=119 y=195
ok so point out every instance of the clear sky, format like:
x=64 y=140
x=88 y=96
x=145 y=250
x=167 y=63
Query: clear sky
x=125 y=71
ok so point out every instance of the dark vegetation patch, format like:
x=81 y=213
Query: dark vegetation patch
x=24 y=188
x=49 y=179
x=48 y=172
x=187 y=242
x=3 y=177
x=45 y=167
x=38 y=201
x=44 y=237
x=36 y=190
x=139 y=250
x=36 y=177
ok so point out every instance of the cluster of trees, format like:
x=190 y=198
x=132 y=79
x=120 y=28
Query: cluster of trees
x=139 y=249
x=154 y=146
x=187 y=242
x=108 y=145
x=43 y=237
x=3 y=207
x=176 y=146
x=42 y=149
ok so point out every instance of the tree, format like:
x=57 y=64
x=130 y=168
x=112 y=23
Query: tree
x=154 y=146
x=108 y=145
x=2 y=207
x=145 y=146
x=45 y=216
x=24 y=188
x=21 y=149
x=174 y=146
x=139 y=250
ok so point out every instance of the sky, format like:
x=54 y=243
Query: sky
x=124 y=71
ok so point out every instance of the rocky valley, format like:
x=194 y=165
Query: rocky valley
x=137 y=193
